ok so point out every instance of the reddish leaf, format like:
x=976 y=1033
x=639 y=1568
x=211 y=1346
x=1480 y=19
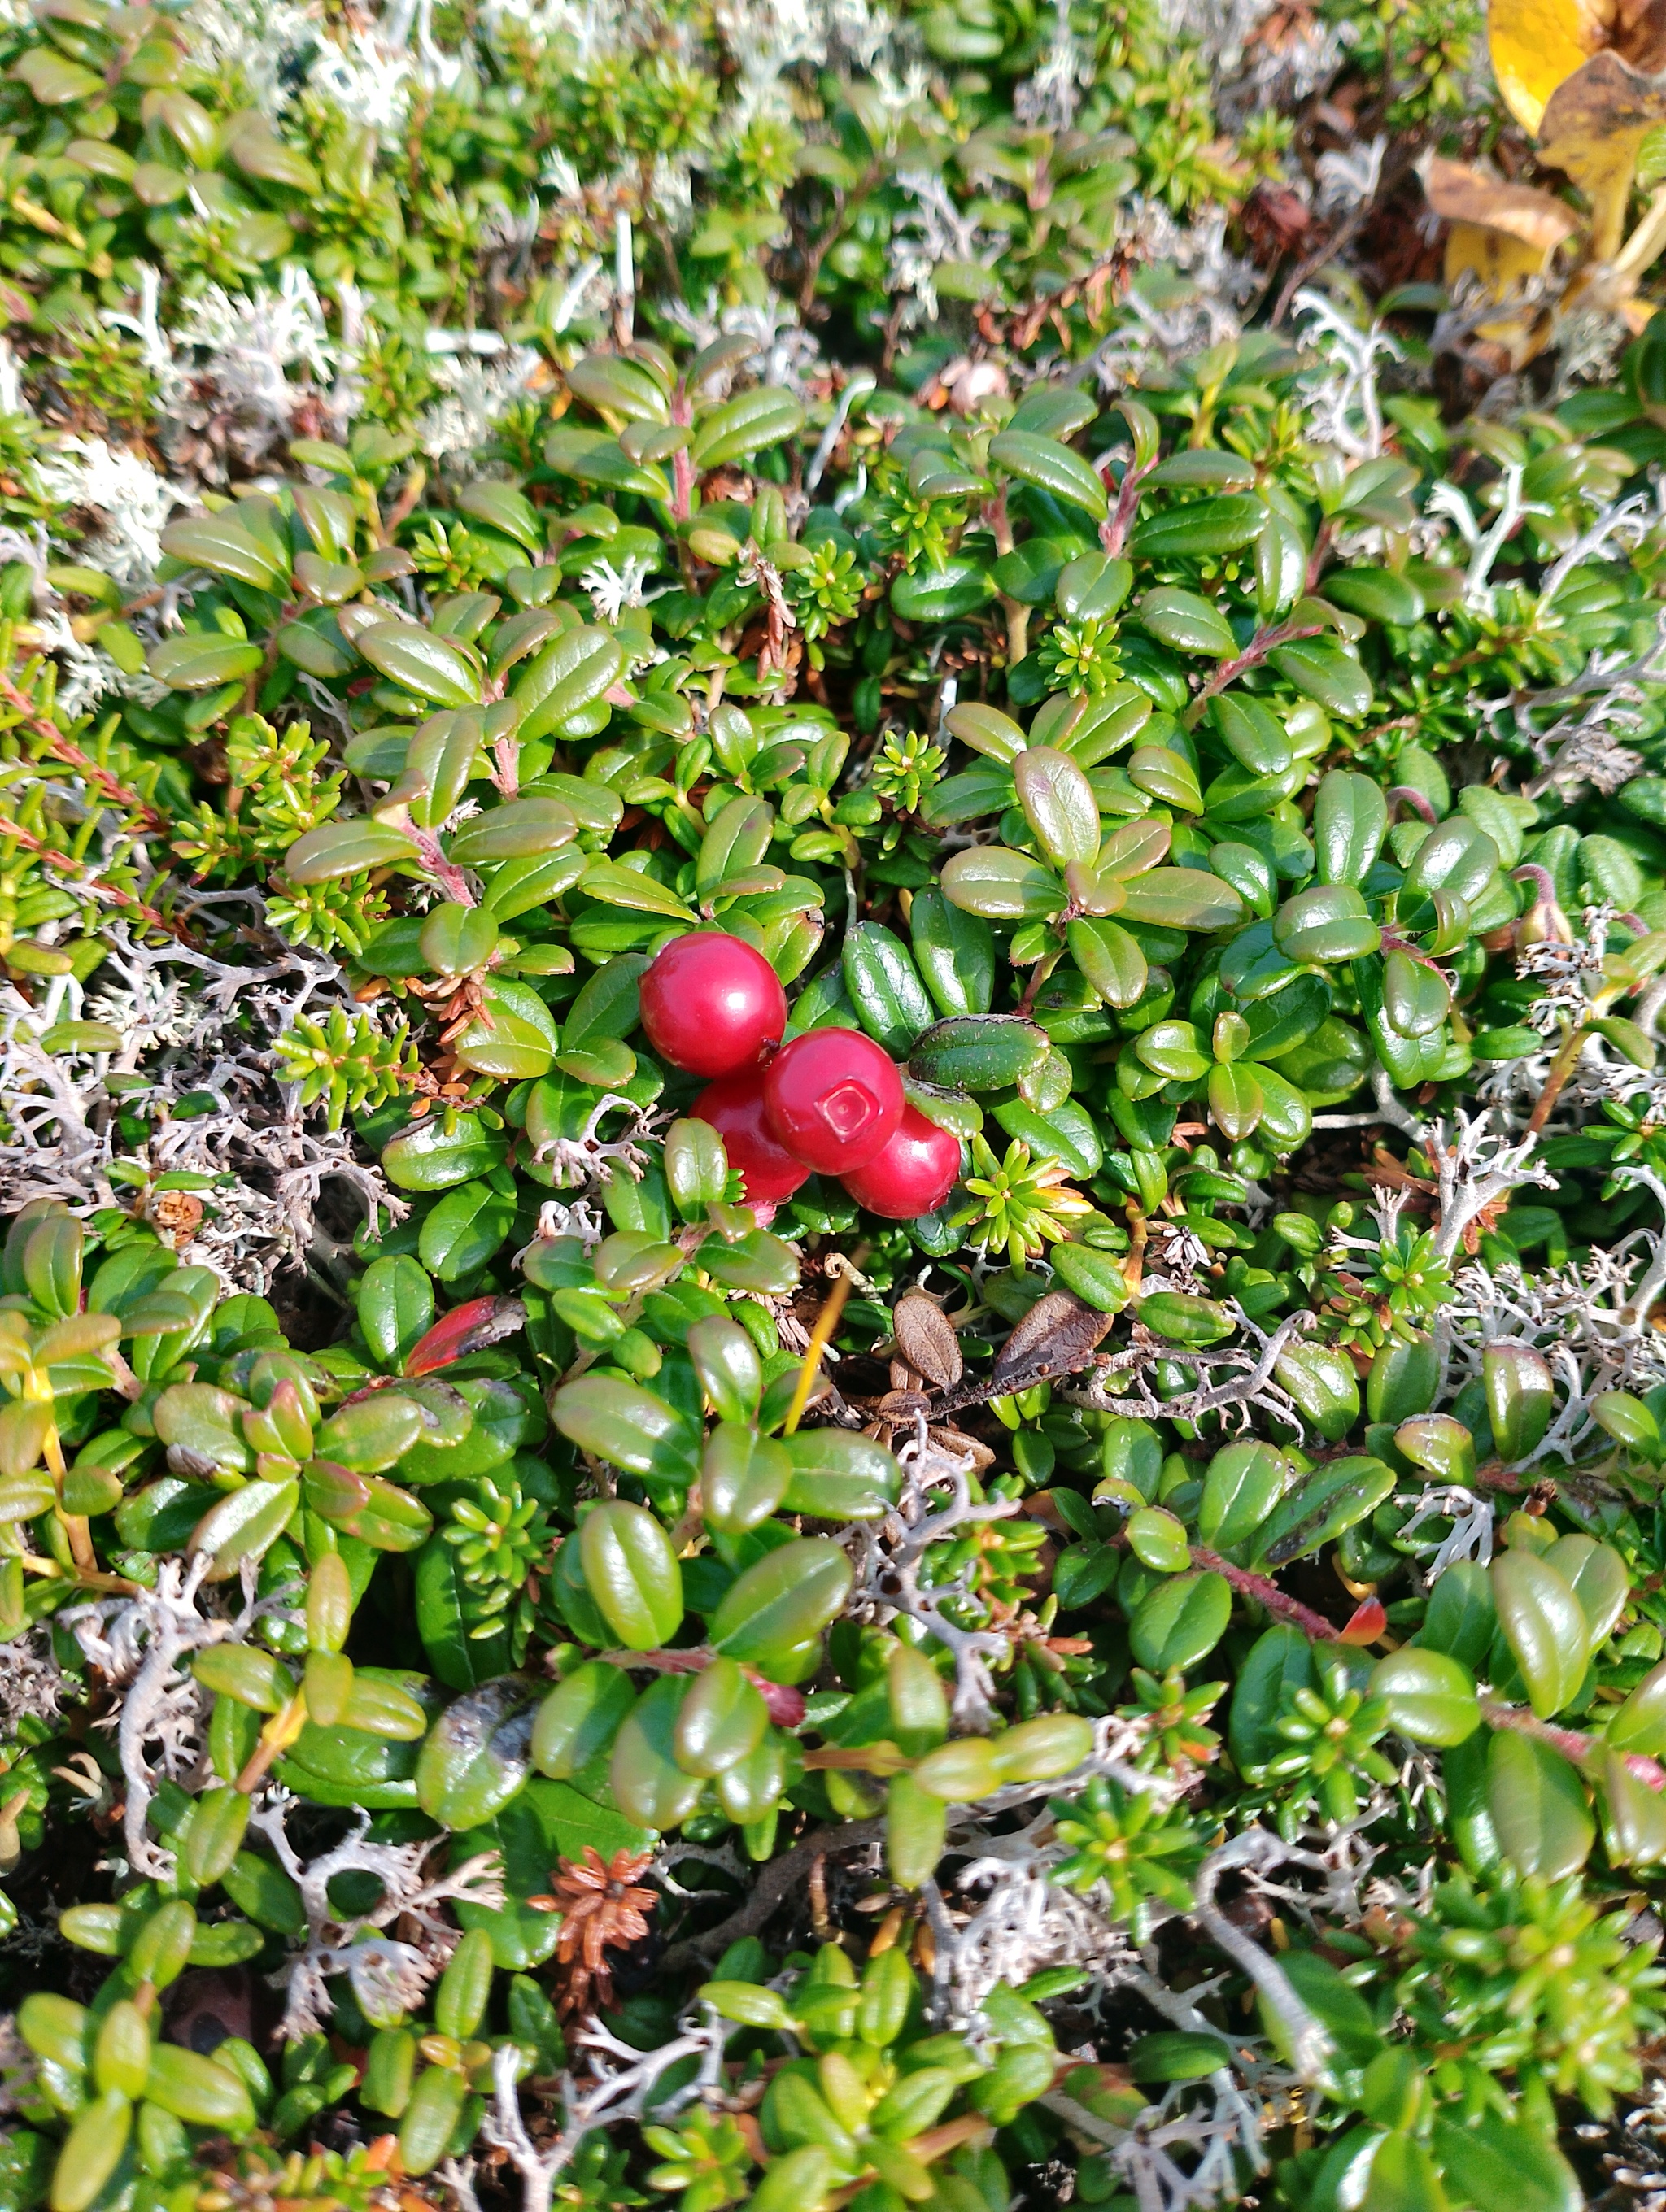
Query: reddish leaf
x=1367 y=1624
x=465 y=1328
x=785 y=1706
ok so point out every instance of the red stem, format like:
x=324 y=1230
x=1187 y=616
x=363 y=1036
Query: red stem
x=786 y=1706
x=15 y=832
x=1572 y=1745
x=1312 y=1624
x=1113 y=530
x=1252 y=655
x=70 y=754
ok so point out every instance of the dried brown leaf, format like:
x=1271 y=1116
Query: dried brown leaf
x=962 y=1446
x=897 y=1408
x=1058 y=1334
x=1507 y=236
x=926 y=1339
x=1463 y=195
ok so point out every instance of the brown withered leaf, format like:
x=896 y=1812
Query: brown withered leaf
x=1059 y=1333
x=897 y=1408
x=1537 y=221
x=1593 y=124
x=926 y=1339
x=949 y=1439
x=1506 y=236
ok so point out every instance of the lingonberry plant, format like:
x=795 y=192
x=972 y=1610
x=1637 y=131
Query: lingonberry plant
x=833 y=909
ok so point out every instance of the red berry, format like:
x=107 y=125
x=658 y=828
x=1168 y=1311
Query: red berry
x=912 y=1176
x=733 y=1105
x=710 y=1004
x=833 y=1098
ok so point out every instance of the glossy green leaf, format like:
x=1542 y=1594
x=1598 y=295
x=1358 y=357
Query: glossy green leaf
x=422 y=661
x=720 y=1721
x=1377 y=594
x=1545 y=1626
x=220 y=544
x=1058 y=804
x=786 y=1598
x=945 y=594
x=1245 y=1482
x=1000 y=884
x=1053 y=467
x=243 y=1526
x=838 y=1475
x=1328 y=922
x=521 y=828
x=885 y=987
x=629 y=1427
x=1597 y=1574
x=565 y=678
x=1350 y=821
x=1182 y=898
x=1181 y=1622
x=1204 y=526
x=1640 y=1724
x=648 y=1784
x=987 y=1052
x=1431 y=1697
x=1521 y=1397
x=430 y=1156
x=1187 y=622
x=1318 y=1507
x=631 y=1572
x=1111 y=959
x=477 y=1755
x=1538 y=1807
x=1493 y=2158
x=954 y=953
x=1323 y=1387
x=512 y=1036
x=345 y=848
x=579 y=1719
x=744 y=425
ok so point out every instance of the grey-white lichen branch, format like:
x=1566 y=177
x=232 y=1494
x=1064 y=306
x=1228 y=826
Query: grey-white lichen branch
x=892 y=1558
x=141 y=1644
x=617 y=2082
x=388 y=1976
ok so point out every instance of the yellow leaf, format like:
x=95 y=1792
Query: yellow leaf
x=1594 y=126
x=1504 y=236
x=1536 y=44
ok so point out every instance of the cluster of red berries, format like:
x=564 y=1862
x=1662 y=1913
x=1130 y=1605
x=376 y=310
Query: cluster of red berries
x=832 y=1101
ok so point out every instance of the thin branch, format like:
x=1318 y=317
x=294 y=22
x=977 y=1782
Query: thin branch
x=65 y=751
x=1309 y=2043
x=774 y=1883
x=1312 y=1625
x=1579 y=1749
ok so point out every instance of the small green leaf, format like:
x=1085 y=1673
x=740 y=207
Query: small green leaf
x=1053 y=467
x=1543 y=1823
x=1431 y=1698
x=1181 y=1622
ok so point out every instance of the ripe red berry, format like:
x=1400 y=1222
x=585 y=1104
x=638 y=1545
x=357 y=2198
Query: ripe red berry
x=834 y=1098
x=733 y=1105
x=711 y=1003
x=913 y=1175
